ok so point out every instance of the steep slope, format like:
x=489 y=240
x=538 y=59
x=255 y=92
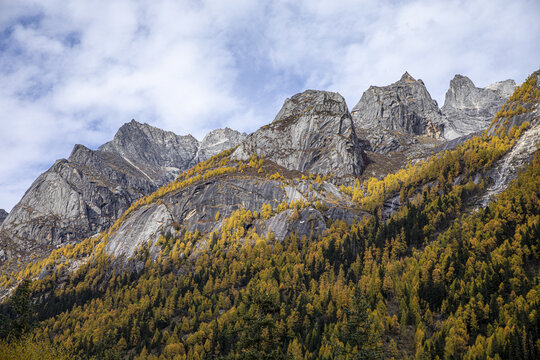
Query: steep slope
x=404 y=106
x=470 y=109
x=518 y=117
x=218 y=188
x=73 y=199
x=214 y=265
x=86 y=193
x=159 y=154
x=313 y=132
x=217 y=141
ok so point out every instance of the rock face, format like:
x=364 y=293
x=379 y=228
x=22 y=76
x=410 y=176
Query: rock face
x=159 y=154
x=86 y=193
x=470 y=109
x=313 y=132
x=195 y=208
x=507 y=168
x=75 y=198
x=404 y=106
x=217 y=141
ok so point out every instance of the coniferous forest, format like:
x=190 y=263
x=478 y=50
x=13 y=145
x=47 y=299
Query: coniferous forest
x=440 y=278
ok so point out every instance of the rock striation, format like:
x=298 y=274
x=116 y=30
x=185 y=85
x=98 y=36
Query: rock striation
x=313 y=132
x=159 y=154
x=195 y=208
x=76 y=197
x=84 y=194
x=469 y=108
x=404 y=106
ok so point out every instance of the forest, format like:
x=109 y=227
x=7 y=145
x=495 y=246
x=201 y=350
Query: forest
x=437 y=279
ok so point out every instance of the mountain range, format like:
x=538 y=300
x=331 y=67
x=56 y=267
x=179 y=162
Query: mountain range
x=316 y=171
x=313 y=132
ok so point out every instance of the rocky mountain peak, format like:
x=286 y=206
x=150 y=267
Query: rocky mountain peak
x=506 y=87
x=469 y=108
x=80 y=154
x=460 y=81
x=313 y=132
x=87 y=192
x=218 y=140
x=309 y=103
x=405 y=106
x=407 y=78
x=149 y=147
x=133 y=131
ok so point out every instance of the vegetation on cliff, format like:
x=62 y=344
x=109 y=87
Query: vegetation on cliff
x=437 y=278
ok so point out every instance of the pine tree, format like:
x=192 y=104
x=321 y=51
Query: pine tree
x=21 y=308
x=358 y=336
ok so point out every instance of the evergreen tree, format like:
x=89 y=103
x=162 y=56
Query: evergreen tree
x=358 y=338
x=21 y=311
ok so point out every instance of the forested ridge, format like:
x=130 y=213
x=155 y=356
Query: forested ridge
x=438 y=278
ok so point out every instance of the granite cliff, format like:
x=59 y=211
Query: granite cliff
x=313 y=132
x=469 y=108
x=84 y=194
x=404 y=106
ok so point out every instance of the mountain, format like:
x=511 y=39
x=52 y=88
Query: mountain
x=217 y=141
x=391 y=114
x=3 y=215
x=469 y=108
x=75 y=198
x=159 y=154
x=271 y=250
x=84 y=194
x=313 y=132
x=404 y=106
x=162 y=155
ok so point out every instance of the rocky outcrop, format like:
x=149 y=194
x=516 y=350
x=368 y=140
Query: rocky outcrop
x=202 y=206
x=84 y=194
x=313 y=132
x=469 y=108
x=3 y=215
x=507 y=168
x=308 y=221
x=404 y=106
x=144 y=226
x=217 y=141
x=161 y=155
x=75 y=198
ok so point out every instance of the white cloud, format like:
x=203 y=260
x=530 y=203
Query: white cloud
x=73 y=72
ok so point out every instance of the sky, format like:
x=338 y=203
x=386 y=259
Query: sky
x=74 y=71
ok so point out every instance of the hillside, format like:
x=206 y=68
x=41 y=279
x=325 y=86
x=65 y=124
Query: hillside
x=287 y=246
